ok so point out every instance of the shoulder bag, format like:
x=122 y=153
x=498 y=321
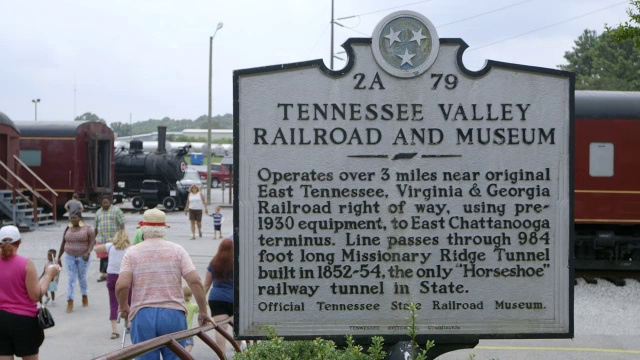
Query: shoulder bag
x=45 y=320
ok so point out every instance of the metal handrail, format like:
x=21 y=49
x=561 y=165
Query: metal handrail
x=34 y=192
x=34 y=175
x=14 y=191
x=54 y=194
x=171 y=341
x=23 y=183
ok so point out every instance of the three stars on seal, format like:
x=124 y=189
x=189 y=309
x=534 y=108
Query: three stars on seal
x=394 y=36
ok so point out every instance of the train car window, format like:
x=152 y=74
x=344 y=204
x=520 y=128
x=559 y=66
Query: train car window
x=601 y=159
x=31 y=157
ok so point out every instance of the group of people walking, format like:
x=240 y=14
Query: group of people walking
x=144 y=282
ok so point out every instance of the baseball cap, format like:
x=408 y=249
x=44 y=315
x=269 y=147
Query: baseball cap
x=9 y=234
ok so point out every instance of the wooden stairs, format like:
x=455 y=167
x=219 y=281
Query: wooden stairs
x=20 y=204
x=20 y=214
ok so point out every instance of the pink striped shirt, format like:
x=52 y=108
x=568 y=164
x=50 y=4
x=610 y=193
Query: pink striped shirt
x=77 y=240
x=157 y=267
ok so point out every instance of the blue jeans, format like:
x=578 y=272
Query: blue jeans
x=76 y=268
x=151 y=322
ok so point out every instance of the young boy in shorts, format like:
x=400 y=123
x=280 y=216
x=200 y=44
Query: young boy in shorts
x=217 y=223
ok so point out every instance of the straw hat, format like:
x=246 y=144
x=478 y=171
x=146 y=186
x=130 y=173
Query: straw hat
x=153 y=217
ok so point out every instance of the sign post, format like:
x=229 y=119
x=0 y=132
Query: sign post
x=403 y=178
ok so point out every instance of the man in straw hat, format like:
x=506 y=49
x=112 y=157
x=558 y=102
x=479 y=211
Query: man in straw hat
x=157 y=267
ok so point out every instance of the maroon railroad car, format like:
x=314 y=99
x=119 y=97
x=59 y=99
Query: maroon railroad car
x=9 y=145
x=607 y=180
x=70 y=156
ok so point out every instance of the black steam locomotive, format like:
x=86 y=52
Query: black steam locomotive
x=149 y=179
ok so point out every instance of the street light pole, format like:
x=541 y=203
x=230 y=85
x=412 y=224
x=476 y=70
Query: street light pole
x=332 y=23
x=218 y=27
x=35 y=102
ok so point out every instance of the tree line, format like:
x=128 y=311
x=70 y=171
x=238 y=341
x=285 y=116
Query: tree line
x=148 y=126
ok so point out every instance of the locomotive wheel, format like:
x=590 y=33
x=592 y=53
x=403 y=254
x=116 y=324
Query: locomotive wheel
x=214 y=182
x=169 y=203
x=137 y=203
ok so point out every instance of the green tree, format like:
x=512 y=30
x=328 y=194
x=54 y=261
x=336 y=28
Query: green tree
x=89 y=117
x=173 y=125
x=184 y=138
x=121 y=129
x=628 y=30
x=603 y=64
x=581 y=58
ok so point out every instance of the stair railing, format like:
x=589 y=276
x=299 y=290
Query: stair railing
x=33 y=202
x=54 y=194
x=171 y=342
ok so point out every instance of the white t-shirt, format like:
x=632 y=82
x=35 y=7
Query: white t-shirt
x=115 y=259
x=195 y=201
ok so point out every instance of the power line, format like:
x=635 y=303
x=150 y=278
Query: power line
x=351 y=28
x=548 y=26
x=377 y=11
x=438 y=26
x=318 y=41
x=485 y=13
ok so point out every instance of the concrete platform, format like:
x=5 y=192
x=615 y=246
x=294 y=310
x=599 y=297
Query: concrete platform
x=85 y=333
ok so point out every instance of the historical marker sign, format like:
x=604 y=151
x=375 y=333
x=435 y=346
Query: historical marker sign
x=403 y=178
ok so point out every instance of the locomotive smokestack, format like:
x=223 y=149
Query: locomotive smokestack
x=135 y=146
x=162 y=138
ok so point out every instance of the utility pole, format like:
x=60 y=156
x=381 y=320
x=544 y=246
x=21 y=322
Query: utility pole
x=75 y=78
x=332 y=24
x=218 y=27
x=35 y=102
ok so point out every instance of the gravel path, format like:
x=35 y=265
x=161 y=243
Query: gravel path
x=606 y=309
x=607 y=327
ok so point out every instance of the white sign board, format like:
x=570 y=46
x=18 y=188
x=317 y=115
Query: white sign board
x=403 y=178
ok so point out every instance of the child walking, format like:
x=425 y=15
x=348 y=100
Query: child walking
x=217 y=223
x=53 y=285
x=191 y=310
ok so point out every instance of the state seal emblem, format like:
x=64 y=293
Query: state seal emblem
x=405 y=44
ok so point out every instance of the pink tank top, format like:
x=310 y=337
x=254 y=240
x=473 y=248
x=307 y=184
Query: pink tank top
x=14 y=297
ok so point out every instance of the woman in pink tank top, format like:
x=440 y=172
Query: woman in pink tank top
x=20 y=334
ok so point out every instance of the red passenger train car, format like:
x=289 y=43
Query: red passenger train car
x=70 y=156
x=9 y=145
x=607 y=180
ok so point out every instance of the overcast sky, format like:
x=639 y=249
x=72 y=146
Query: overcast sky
x=149 y=58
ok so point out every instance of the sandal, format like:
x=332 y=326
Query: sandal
x=114 y=336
